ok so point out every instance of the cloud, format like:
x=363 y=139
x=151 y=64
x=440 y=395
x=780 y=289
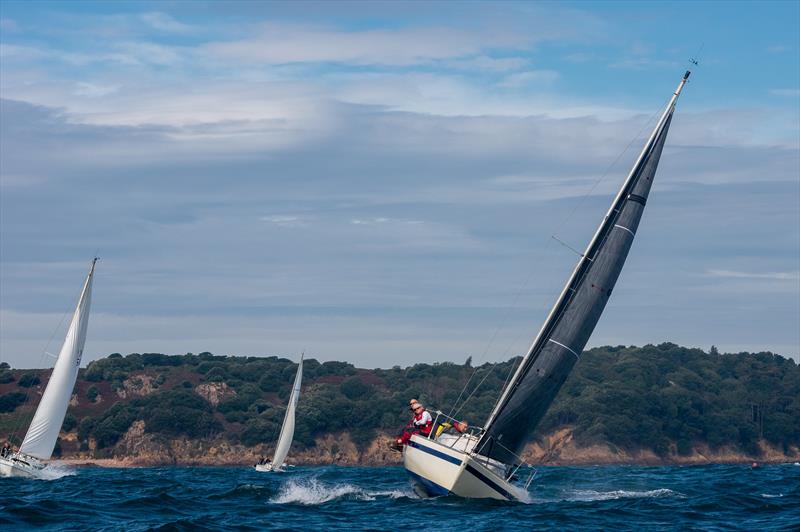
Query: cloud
x=8 y=25
x=530 y=77
x=277 y=43
x=378 y=193
x=790 y=93
x=91 y=90
x=770 y=276
x=286 y=221
x=164 y=22
x=777 y=49
x=485 y=63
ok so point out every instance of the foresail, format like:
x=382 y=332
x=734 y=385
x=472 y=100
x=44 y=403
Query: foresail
x=559 y=344
x=287 y=430
x=46 y=425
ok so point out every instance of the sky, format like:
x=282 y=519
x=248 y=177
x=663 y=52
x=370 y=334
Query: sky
x=380 y=182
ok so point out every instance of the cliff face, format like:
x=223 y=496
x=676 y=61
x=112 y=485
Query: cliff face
x=636 y=405
x=138 y=448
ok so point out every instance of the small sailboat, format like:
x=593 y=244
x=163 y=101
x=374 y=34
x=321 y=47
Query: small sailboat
x=483 y=462
x=287 y=429
x=40 y=440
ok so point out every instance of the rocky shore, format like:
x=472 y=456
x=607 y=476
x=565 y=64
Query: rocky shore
x=139 y=449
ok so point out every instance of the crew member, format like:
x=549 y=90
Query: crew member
x=422 y=423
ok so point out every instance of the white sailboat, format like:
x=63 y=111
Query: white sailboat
x=287 y=429
x=484 y=462
x=40 y=440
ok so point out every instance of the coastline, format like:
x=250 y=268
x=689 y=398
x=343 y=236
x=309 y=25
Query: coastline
x=557 y=449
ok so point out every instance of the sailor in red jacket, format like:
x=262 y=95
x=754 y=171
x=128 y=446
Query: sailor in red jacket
x=421 y=424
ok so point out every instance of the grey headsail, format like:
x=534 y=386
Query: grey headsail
x=564 y=334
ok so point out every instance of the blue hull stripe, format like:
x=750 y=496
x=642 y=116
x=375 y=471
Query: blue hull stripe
x=431 y=488
x=486 y=480
x=434 y=452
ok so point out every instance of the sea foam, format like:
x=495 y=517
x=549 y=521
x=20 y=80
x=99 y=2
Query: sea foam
x=56 y=470
x=312 y=492
x=592 y=495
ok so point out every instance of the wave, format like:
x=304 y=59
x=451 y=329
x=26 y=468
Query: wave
x=56 y=470
x=772 y=496
x=312 y=492
x=592 y=495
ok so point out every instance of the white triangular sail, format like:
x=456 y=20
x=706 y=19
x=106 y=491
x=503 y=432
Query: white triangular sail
x=287 y=430
x=46 y=425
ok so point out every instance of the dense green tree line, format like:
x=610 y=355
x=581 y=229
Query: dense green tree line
x=665 y=398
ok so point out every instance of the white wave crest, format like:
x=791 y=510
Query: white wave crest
x=312 y=492
x=592 y=495
x=772 y=496
x=56 y=470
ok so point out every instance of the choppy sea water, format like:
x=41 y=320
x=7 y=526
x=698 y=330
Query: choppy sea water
x=716 y=497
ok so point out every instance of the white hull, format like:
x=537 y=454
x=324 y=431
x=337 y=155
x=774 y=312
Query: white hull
x=438 y=469
x=265 y=468
x=21 y=466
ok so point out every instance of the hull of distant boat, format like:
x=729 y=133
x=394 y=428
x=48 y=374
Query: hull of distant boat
x=264 y=468
x=21 y=466
x=438 y=470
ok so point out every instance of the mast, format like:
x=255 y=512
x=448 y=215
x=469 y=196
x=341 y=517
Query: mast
x=581 y=305
x=40 y=440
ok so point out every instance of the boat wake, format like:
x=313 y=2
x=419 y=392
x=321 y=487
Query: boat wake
x=592 y=495
x=312 y=492
x=54 y=471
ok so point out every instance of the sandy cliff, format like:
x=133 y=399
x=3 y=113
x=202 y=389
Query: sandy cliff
x=137 y=448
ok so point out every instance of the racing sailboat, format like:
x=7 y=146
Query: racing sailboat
x=287 y=429
x=482 y=462
x=40 y=440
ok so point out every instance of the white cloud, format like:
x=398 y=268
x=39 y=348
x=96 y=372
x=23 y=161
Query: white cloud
x=777 y=49
x=486 y=63
x=791 y=93
x=770 y=276
x=92 y=90
x=282 y=43
x=528 y=78
x=164 y=22
x=286 y=221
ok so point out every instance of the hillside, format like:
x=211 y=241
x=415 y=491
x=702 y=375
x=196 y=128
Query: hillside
x=649 y=404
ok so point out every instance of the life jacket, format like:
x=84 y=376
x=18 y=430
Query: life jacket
x=426 y=428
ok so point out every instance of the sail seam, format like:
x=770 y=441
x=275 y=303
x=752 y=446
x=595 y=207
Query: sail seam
x=565 y=347
x=625 y=228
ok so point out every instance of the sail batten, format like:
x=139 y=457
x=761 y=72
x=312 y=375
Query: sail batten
x=40 y=440
x=287 y=429
x=572 y=319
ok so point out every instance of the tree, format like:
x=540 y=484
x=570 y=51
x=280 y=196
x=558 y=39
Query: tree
x=28 y=379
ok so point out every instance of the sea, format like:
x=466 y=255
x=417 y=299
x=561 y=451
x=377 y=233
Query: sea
x=713 y=497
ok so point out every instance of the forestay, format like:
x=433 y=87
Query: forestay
x=287 y=430
x=564 y=334
x=42 y=434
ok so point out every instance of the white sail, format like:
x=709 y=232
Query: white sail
x=287 y=430
x=46 y=425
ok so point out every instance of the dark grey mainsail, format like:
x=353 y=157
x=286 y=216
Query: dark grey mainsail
x=573 y=318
